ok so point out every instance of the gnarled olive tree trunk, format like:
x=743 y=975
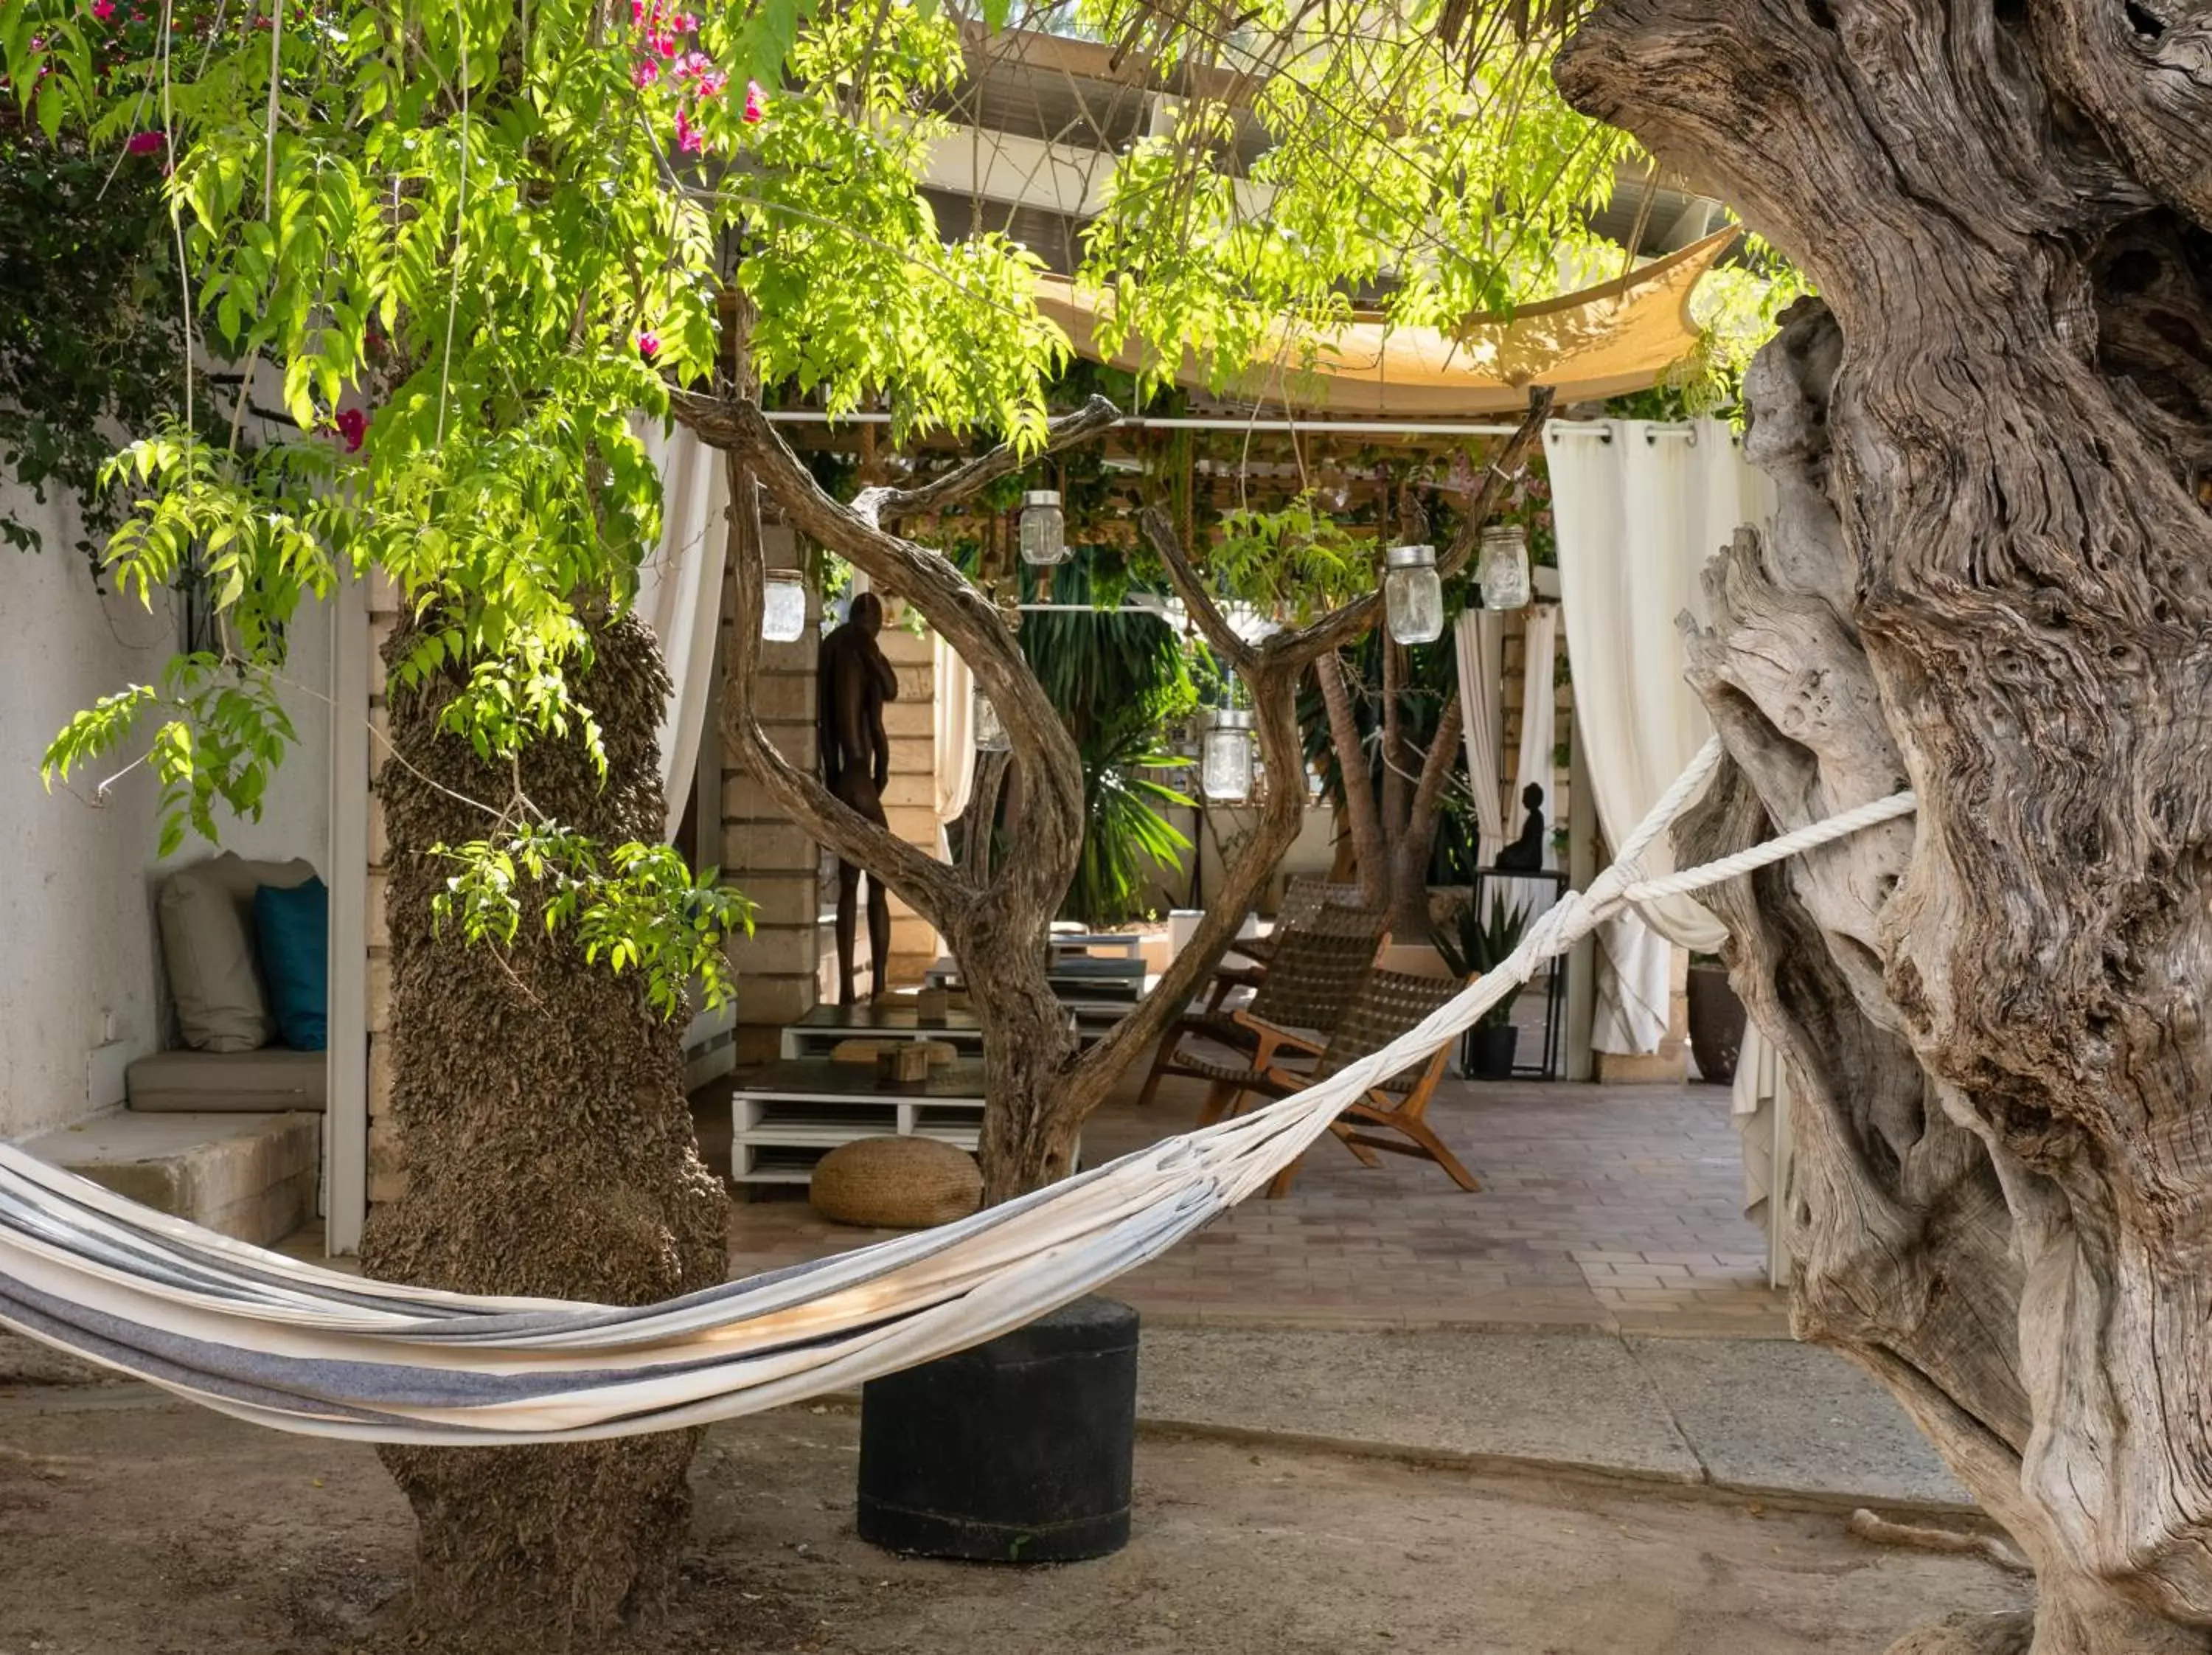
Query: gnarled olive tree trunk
x=548 y=1151
x=1991 y=580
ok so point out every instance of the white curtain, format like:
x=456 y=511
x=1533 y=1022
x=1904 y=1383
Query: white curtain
x=1760 y=1109
x=1540 y=736
x=955 y=732
x=1539 y=652
x=1639 y=508
x=1478 y=646
x=679 y=595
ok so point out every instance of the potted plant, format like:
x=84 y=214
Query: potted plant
x=1472 y=946
x=1716 y=1019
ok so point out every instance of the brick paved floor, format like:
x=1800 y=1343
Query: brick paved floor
x=1605 y=1207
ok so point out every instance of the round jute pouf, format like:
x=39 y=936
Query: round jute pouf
x=897 y=1184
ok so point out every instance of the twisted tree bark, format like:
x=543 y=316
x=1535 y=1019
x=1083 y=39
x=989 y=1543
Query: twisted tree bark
x=993 y=918
x=1991 y=580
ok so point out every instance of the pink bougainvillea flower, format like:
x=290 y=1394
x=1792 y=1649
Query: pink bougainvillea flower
x=689 y=139
x=649 y=345
x=646 y=73
x=692 y=65
x=145 y=143
x=637 y=11
x=353 y=426
x=103 y=10
x=712 y=82
x=755 y=104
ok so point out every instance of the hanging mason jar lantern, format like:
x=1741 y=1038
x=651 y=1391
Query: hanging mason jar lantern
x=783 y=605
x=1413 y=595
x=1225 y=771
x=991 y=735
x=1501 y=571
x=1044 y=528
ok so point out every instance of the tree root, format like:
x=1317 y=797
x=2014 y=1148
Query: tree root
x=2009 y=1634
x=1881 y=1531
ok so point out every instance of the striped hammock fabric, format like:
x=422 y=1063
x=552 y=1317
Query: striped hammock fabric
x=302 y=1348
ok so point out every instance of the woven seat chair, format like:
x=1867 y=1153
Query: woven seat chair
x=1319 y=967
x=1303 y=896
x=1388 y=1004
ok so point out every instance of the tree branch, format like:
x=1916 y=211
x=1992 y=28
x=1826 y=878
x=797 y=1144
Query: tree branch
x=1342 y=626
x=2150 y=97
x=1391 y=730
x=1409 y=872
x=1159 y=529
x=933 y=889
x=1051 y=817
x=1272 y=688
x=887 y=505
x=1334 y=676
x=981 y=816
x=1436 y=763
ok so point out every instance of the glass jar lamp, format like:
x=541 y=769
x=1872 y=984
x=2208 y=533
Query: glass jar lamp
x=1226 y=768
x=1502 y=568
x=783 y=605
x=1044 y=528
x=1413 y=595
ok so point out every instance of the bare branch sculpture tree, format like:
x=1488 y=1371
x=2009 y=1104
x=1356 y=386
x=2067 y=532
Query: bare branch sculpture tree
x=1041 y=1084
x=1991 y=580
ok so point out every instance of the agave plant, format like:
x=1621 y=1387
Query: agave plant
x=1471 y=944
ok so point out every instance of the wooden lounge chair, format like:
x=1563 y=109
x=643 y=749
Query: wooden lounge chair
x=1303 y=897
x=1388 y=1004
x=1319 y=967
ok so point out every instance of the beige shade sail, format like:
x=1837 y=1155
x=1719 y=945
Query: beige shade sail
x=1604 y=341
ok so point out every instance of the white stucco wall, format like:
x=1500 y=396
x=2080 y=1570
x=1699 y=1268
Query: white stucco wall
x=1312 y=852
x=77 y=880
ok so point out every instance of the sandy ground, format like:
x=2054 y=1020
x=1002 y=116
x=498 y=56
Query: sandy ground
x=133 y=1527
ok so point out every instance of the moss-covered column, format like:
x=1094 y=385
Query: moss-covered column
x=549 y=1152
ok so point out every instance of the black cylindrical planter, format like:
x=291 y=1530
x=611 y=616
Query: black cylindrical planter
x=1488 y=1054
x=1019 y=1451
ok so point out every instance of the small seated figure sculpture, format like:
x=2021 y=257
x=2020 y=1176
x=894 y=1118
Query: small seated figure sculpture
x=1526 y=854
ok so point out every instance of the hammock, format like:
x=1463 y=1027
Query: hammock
x=303 y=1348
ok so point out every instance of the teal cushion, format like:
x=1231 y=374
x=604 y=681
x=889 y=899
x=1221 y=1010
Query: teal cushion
x=293 y=927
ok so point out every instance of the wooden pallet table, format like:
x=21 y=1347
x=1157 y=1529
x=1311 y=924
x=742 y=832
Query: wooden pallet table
x=823 y=1029
x=795 y=1111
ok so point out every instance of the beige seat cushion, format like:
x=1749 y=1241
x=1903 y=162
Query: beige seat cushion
x=208 y=1082
x=897 y=1184
x=207 y=943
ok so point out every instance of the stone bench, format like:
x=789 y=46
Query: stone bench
x=249 y=1176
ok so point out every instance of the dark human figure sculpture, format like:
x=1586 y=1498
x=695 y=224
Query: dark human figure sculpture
x=854 y=682
x=1526 y=854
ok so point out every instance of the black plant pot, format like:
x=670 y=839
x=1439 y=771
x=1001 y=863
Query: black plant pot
x=1489 y=1050
x=1717 y=1021
x=1018 y=1451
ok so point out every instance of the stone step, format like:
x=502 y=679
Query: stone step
x=252 y=1176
